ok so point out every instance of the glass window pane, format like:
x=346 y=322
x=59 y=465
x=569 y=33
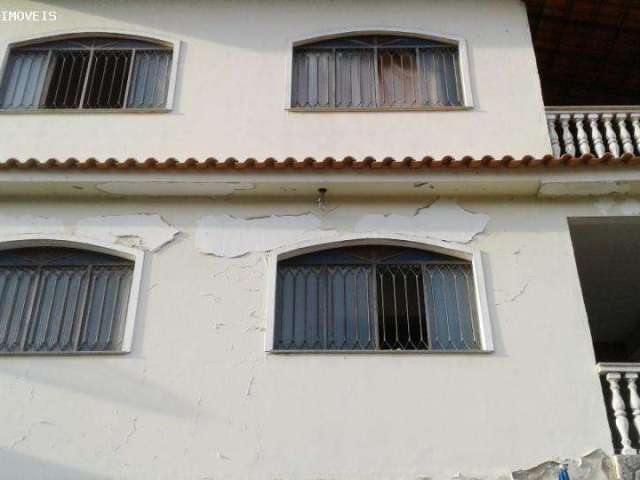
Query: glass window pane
x=97 y=72
x=23 y=79
x=369 y=71
x=375 y=297
x=324 y=308
x=62 y=300
x=149 y=79
x=450 y=306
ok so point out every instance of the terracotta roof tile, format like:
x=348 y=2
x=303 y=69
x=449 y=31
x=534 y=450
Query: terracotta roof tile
x=327 y=163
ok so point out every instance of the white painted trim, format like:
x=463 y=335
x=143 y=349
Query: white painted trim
x=463 y=55
x=137 y=256
x=54 y=35
x=453 y=249
x=617 y=367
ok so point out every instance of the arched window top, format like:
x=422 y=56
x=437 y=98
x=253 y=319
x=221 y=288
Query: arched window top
x=57 y=257
x=360 y=71
x=365 y=40
x=370 y=254
x=376 y=298
x=56 y=299
x=88 y=72
x=92 y=41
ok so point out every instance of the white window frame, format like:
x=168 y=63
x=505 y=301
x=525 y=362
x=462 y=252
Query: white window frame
x=460 y=42
x=70 y=34
x=454 y=250
x=81 y=243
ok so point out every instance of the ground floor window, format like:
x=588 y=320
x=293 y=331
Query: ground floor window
x=56 y=299
x=376 y=298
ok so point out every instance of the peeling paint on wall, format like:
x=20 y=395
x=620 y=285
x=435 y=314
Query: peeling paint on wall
x=146 y=231
x=442 y=220
x=227 y=236
x=30 y=225
x=594 y=466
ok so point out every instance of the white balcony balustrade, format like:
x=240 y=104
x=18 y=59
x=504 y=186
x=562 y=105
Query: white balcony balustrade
x=623 y=404
x=580 y=131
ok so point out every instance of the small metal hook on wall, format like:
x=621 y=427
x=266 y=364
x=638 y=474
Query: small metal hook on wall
x=322 y=201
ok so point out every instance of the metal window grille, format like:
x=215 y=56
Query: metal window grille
x=88 y=73
x=62 y=300
x=375 y=298
x=380 y=71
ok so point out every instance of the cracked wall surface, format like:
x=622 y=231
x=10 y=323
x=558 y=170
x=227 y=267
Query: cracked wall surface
x=226 y=236
x=198 y=397
x=144 y=231
x=442 y=220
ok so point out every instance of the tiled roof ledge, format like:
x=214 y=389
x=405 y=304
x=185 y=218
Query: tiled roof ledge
x=326 y=163
x=466 y=176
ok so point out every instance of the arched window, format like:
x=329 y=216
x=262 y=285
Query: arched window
x=376 y=72
x=375 y=298
x=89 y=72
x=58 y=299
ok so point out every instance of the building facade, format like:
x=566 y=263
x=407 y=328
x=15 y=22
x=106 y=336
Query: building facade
x=315 y=239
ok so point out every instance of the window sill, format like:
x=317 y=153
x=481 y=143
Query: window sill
x=72 y=111
x=380 y=352
x=64 y=354
x=378 y=109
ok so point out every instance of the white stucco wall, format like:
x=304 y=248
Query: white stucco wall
x=230 y=94
x=198 y=398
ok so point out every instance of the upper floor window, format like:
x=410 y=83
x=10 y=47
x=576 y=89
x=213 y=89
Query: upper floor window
x=56 y=299
x=101 y=73
x=376 y=298
x=376 y=72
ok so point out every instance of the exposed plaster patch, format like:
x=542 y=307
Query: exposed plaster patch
x=578 y=189
x=176 y=189
x=593 y=466
x=146 y=231
x=30 y=225
x=459 y=476
x=227 y=236
x=442 y=220
x=608 y=206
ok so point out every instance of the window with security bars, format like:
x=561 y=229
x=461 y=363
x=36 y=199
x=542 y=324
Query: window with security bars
x=376 y=72
x=87 y=73
x=375 y=298
x=62 y=300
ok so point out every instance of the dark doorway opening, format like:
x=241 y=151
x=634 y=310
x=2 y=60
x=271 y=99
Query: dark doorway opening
x=607 y=253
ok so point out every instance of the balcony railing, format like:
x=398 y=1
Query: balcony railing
x=623 y=404
x=579 y=131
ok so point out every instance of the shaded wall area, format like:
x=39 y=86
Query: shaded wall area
x=607 y=252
